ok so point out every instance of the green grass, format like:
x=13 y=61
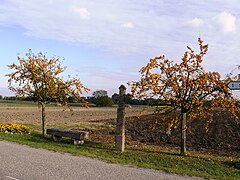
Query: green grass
x=9 y=103
x=82 y=125
x=195 y=165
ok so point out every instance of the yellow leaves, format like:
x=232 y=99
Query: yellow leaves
x=185 y=85
x=37 y=76
x=20 y=61
x=203 y=48
x=165 y=61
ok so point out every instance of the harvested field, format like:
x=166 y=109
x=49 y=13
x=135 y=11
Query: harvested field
x=56 y=115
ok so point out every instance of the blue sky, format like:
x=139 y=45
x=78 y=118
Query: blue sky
x=106 y=42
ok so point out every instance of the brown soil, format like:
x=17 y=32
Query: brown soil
x=56 y=115
x=223 y=136
x=222 y=133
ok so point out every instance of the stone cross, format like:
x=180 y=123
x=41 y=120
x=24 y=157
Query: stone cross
x=120 y=126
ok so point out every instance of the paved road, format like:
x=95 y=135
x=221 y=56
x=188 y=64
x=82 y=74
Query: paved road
x=20 y=162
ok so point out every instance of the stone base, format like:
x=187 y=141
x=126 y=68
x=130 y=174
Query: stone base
x=78 y=142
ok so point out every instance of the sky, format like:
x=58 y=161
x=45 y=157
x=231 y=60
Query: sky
x=106 y=42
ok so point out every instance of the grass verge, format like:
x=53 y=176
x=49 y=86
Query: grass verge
x=195 y=165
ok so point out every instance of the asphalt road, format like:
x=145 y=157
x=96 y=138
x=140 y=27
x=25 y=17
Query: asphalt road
x=20 y=162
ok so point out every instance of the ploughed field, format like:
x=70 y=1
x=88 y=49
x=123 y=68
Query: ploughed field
x=222 y=137
x=223 y=133
x=58 y=116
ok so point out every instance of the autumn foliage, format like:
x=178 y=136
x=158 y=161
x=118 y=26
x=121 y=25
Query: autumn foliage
x=186 y=86
x=38 y=77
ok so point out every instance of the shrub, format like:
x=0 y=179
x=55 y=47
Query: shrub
x=104 y=101
x=14 y=128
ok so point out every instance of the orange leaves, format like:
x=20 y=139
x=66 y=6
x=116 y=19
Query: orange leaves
x=37 y=76
x=203 y=48
x=186 y=85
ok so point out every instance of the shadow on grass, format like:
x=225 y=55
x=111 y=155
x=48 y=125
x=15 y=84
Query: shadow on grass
x=231 y=163
x=162 y=151
x=38 y=139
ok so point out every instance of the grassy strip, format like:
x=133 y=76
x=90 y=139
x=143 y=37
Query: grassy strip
x=195 y=165
x=82 y=125
x=17 y=105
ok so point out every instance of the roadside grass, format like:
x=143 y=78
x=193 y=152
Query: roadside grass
x=194 y=165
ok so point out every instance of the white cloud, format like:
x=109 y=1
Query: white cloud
x=83 y=12
x=128 y=25
x=196 y=22
x=104 y=26
x=60 y=21
x=226 y=21
x=157 y=32
x=128 y=31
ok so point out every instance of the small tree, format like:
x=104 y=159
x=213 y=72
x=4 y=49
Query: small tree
x=187 y=87
x=101 y=98
x=104 y=101
x=38 y=77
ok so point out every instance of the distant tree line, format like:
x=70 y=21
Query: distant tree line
x=99 y=99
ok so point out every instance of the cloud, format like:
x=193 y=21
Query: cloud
x=196 y=22
x=106 y=78
x=226 y=21
x=83 y=12
x=127 y=31
x=60 y=21
x=128 y=25
x=154 y=27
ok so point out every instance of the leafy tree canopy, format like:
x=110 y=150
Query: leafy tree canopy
x=38 y=77
x=187 y=87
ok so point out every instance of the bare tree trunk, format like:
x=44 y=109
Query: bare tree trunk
x=183 y=134
x=43 y=119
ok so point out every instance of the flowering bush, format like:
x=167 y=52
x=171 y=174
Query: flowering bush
x=14 y=128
